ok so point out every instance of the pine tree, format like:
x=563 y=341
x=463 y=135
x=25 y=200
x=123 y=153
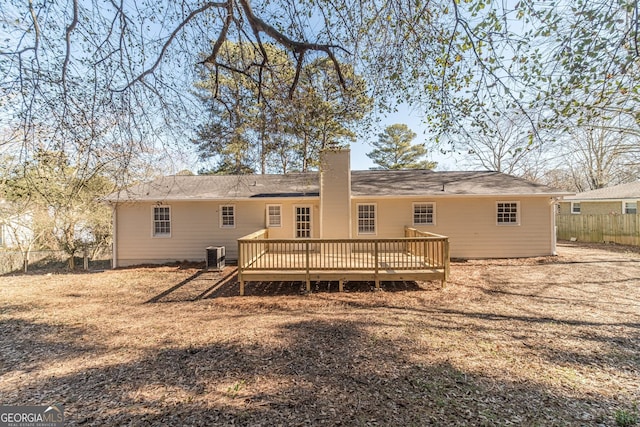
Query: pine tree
x=394 y=150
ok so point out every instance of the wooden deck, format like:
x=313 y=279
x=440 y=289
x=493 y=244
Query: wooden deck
x=417 y=256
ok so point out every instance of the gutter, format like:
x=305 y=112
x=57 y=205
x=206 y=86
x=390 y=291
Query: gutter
x=457 y=195
x=576 y=200
x=554 y=232
x=208 y=199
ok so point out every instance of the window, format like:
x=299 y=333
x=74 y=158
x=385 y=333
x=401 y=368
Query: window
x=631 y=207
x=227 y=216
x=507 y=213
x=274 y=216
x=424 y=213
x=575 y=207
x=161 y=221
x=366 y=219
x=303 y=222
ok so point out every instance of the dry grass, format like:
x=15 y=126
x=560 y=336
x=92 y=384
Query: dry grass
x=545 y=341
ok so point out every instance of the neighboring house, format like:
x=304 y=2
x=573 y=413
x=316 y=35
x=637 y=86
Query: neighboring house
x=604 y=215
x=16 y=226
x=616 y=200
x=484 y=214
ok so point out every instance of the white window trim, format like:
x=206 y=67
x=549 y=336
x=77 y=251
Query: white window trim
x=153 y=222
x=571 y=208
x=508 y=224
x=624 y=206
x=413 y=213
x=295 y=221
x=375 y=219
x=269 y=225
x=235 y=219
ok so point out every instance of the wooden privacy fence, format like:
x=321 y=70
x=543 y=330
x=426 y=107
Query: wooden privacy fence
x=621 y=229
x=417 y=256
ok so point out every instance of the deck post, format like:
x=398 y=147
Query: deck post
x=375 y=256
x=341 y=285
x=447 y=262
x=240 y=263
x=306 y=250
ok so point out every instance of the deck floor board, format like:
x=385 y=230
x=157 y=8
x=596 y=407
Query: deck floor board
x=341 y=267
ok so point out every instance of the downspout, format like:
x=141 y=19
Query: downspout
x=114 y=243
x=554 y=233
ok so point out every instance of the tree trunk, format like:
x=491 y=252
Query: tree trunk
x=305 y=149
x=25 y=257
x=263 y=145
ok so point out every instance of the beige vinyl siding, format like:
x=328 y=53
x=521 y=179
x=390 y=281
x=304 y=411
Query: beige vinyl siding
x=565 y=208
x=194 y=226
x=470 y=224
x=593 y=207
x=600 y=208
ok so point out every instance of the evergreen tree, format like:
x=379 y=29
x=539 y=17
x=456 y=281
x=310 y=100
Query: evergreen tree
x=256 y=123
x=394 y=150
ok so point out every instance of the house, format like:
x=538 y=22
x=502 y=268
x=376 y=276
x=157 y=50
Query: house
x=604 y=215
x=16 y=225
x=483 y=214
x=616 y=200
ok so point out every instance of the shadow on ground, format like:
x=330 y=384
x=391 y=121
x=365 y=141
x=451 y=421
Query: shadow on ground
x=208 y=285
x=319 y=373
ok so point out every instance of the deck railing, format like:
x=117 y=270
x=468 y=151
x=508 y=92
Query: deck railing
x=253 y=247
x=435 y=248
x=417 y=251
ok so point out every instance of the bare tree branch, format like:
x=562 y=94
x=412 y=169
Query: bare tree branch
x=485 y=68
x=36 y=26
x=258 y=26
x=222 y=37
x=67 y=53
x=299 y=61
x=172 y=36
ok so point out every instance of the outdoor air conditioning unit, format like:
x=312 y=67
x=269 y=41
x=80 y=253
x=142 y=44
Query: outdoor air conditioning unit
x=215 y=257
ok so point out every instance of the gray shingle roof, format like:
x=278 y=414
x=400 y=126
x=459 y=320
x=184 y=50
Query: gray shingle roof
x=617 y=192
x=221 y=187
x=363 y=183
x=431 y=183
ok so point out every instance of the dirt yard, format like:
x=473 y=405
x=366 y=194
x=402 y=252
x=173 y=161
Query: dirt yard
x=547 y=341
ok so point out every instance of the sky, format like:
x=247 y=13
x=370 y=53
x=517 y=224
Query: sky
x=362 y=146
x=359 y=149
x=411 y=118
